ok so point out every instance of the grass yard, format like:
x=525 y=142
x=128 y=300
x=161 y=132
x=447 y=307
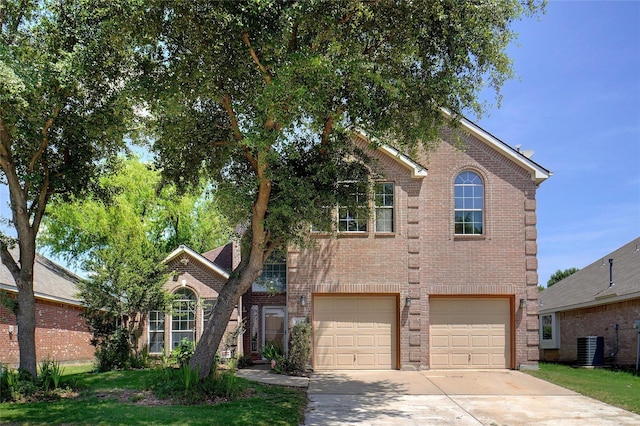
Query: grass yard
x=617 y=388
x=125 y=398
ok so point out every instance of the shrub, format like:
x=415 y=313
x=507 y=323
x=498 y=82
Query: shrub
x=184 y=351
x=245 y=361
x=114 y=352
x=50 y=374
x=300 y=348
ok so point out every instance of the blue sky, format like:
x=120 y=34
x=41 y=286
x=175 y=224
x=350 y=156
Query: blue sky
x=576 y=103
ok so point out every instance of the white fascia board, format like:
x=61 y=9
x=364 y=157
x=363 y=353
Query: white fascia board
x=592 y=303
x=417 y=171
x=538 y=173
x=197 y=256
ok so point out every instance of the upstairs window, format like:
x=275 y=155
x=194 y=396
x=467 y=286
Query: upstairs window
x=354 y=218
x=383 y=199
x=469 y=204
x=274 y=275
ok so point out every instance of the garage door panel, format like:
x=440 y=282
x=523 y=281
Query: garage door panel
x=469 y=332
x=363 y=329
x=344 y=341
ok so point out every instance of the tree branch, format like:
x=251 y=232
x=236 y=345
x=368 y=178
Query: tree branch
x=226 y=104
x=256 y=60
x=9 y=261
x=45 y=139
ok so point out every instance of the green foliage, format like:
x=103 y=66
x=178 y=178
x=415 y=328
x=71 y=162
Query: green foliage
x=245 y=361
x=50 y=374
x=559 y=275
x=299 y=348
x=114 y=351
x=183 y=352
x=19 y=385
x=183 y=384
x=255 y=404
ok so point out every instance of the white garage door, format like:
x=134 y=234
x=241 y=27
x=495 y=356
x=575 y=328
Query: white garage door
x=469 y=333
x=354 y=332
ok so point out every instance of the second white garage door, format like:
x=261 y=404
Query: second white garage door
x=354 y=332
x=469 y=332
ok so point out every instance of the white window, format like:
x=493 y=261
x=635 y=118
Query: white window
x=156 y=332
x=468 y=190
x=183 y=317
x=549 y=331
x=383 y=199
x=274 y=275
x=353 y=218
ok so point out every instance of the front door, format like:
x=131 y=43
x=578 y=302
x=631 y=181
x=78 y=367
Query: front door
x=274 y=326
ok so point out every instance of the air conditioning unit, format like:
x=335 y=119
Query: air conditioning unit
x=590 y=351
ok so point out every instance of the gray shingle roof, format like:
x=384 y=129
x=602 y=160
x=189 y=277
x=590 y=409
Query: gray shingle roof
x=590 y=286
x=50 y=280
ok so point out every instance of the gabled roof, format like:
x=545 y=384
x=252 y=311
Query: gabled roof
x=187 y=253
x=50 y=281
x=590 y=286
x=538 y=173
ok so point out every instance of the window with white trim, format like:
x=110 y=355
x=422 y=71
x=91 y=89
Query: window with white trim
x=183 y=317
x=468 y=191
x=354 y=218
x=549 y=331
x=274 y=275
x=383 y=202
x=156 y=332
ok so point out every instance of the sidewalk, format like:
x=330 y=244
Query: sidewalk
x=261 y=373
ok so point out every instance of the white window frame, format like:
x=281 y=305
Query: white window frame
x=268 y=271
x=159 y=319
x=350 y=218
x=191 y=309
x=465 y=199
x=384 y=206
x=552 y=342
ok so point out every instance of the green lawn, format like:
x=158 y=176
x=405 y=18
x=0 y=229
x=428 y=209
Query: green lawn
x=617 y=388
x=123 y=398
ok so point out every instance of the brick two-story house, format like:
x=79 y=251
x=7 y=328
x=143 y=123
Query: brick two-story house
x=443 y=274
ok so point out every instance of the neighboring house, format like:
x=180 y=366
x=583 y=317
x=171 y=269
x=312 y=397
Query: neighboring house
x=443 y=274
x=195 y=279
x=61 y=333
x=601 y=300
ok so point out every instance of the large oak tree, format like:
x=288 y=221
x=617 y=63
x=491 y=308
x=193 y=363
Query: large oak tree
x=64 y=65
x=262 y=95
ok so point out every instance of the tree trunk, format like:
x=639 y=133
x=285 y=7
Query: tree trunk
x=26 y=320
x=239 y=282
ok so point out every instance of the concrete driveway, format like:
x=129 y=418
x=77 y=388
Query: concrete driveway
x=439 y=397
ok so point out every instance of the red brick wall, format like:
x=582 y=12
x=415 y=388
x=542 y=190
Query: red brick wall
x=205 y=283
x=61 y=334
x=261 y=300
x=598 y=321
x=424 y=257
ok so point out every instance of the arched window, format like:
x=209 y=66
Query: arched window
x=469 y=204
x=183 y=317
